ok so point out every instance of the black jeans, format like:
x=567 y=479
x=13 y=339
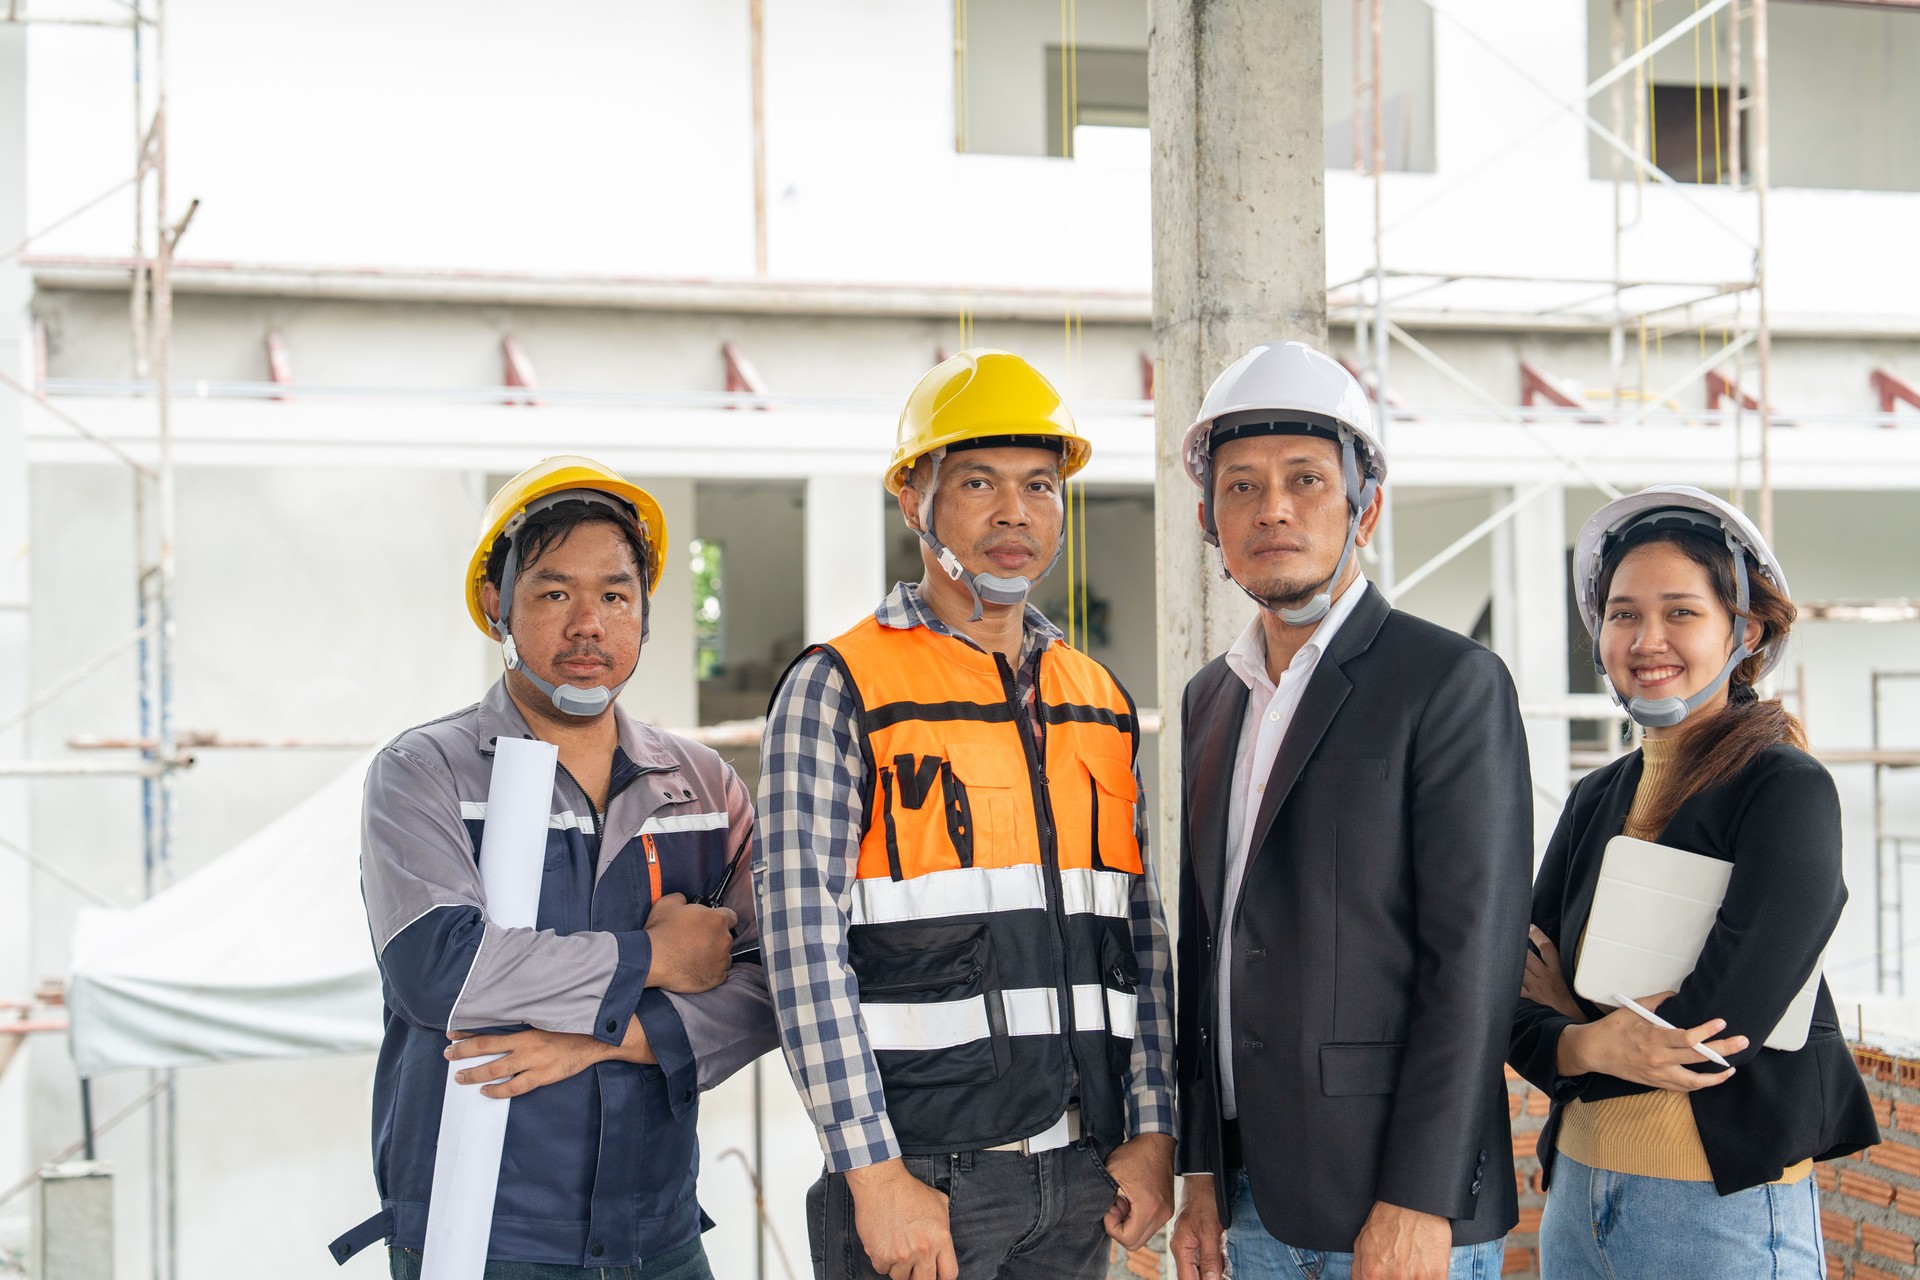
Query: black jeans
x=1013 y=1217
x=688 y=1262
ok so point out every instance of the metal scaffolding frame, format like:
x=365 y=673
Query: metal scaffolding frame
x=150 y=306
x=1366 y=302
x=1890 y=851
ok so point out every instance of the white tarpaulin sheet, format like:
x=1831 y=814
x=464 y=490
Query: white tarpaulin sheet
x=262 y=953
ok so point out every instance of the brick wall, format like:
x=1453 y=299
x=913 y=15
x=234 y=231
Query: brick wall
x=1869 y=1203
x=1150 y=1262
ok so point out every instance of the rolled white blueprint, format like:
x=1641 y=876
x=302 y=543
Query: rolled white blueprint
x=473 y=1127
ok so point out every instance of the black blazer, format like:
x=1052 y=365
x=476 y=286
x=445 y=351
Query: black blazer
x=1778 y=822
x=1377 y=942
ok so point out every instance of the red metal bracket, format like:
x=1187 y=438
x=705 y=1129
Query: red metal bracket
x=1891 y=389
x=741 y=375
x=518 y=368
x=1721 y=387
x=1536 y=384
x=279 y=361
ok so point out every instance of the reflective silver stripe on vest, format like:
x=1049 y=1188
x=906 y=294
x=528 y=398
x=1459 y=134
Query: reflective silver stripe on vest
x=1030 y=1011
x=968 y=891
x=1098 y=893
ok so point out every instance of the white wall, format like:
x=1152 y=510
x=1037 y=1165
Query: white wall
x=496 y=139
x=435 y=134
x=1007 y=42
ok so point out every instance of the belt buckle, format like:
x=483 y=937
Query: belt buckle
x=1060 y=1133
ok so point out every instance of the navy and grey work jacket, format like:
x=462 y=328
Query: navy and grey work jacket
x=598 y=1169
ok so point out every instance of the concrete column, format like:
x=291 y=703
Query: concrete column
x=16 y=978
x=846 y=552
x=1530 y=632
x=1239 y=257
x=664 y=690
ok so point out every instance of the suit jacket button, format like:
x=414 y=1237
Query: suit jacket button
x=1475 y=1188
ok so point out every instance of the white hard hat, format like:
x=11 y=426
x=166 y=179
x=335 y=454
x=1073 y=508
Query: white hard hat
x=1283 y=382
x=1716 y=516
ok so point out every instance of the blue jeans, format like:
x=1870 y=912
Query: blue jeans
x=1612 y=1226
x=688 y=1262
x=1252 y=1254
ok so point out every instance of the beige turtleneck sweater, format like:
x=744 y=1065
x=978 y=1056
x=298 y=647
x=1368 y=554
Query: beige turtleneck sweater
x=1649 y=1134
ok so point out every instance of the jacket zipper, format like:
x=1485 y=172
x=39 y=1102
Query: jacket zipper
x=653 y=865
x=599 y=819
x=1049 y=854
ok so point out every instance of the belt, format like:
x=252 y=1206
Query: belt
x=1063 y=1131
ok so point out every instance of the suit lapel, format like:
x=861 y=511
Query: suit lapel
x=1325 y=693
x=1210 y=764
x=1583 y=873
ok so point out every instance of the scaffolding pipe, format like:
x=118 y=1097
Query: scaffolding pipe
x=757 y=46
x=1762 y=178
x=165 y=1162
x=1383 y=539
x=1617 y=98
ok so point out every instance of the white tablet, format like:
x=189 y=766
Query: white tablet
x=1652 y=911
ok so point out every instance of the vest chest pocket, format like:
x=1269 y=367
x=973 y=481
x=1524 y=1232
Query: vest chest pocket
x=989 y=781
x=929 y=998
x=1114 y=793
x=1120 y=985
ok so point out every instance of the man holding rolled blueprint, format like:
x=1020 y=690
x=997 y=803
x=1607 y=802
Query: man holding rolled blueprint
x=621 y=981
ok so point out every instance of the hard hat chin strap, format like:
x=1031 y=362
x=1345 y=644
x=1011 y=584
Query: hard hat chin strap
x=1359 y=497
x=565 y=698
x=1664 y=713
x=984 y=588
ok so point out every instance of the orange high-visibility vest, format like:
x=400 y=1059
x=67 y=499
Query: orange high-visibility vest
x=990 y=926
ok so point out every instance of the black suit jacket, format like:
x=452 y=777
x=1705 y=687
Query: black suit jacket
x=1778 y=822
x=1377 y=942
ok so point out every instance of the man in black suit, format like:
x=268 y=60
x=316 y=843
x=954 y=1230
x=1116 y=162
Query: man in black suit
x=1355 y=859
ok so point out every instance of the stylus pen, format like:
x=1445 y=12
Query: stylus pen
x=1627 y=1003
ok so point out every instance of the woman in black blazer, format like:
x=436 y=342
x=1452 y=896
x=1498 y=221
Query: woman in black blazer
x=1658 y=1161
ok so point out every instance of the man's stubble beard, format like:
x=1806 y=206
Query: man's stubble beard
x=1288 y=592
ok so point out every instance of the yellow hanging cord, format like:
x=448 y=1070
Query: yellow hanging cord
x=962 y=109
x=1074 y=503
x=1713 y=50
x=1699 y=140
x=1646 y=73
x=1641 y=78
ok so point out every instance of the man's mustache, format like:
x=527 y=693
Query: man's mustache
x=586 y=649
x=989 y=545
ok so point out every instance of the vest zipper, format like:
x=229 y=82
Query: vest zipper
x=1049 y=853
x=971 y=973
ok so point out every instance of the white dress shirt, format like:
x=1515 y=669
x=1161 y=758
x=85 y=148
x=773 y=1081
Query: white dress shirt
x=1270 y=709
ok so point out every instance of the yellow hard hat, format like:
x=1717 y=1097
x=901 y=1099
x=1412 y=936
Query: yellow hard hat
x=978 y=394
x=555 y=475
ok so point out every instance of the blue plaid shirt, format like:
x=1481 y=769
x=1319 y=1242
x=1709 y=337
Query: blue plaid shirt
x=813 y=789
